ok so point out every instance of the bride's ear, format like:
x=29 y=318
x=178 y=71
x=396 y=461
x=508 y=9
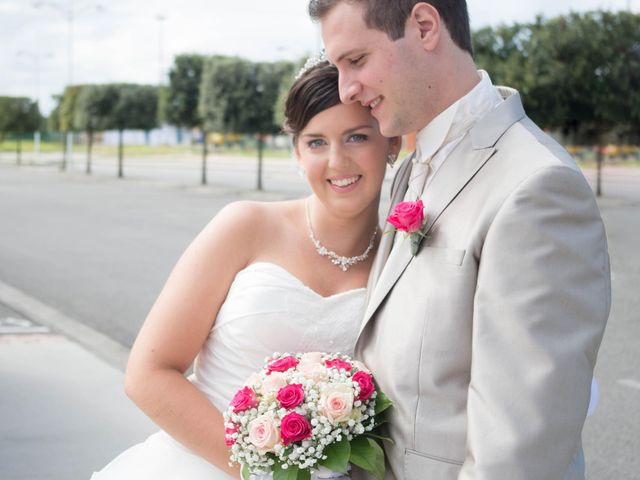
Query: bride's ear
x=395 y=144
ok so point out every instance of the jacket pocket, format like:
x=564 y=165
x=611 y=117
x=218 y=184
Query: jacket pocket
x=421 y=466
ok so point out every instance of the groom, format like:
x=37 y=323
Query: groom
x=486 y=339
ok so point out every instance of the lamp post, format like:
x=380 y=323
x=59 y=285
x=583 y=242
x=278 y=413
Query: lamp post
x=36 y=57
x=70 y=9
x=160 y=18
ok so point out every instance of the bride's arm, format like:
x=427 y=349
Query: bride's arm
x=177 y=326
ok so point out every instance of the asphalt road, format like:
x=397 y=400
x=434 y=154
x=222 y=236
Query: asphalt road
x=98 y=250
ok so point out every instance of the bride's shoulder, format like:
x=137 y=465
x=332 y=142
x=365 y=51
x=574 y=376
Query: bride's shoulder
x=250 y=216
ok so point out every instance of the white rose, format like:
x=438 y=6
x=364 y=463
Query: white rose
x=336 y=402
x=263 y=434
x=273 y=383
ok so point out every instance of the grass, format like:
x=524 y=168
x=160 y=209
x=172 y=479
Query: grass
x=9 y=146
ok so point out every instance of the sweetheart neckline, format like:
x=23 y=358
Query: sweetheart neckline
x=301 y=283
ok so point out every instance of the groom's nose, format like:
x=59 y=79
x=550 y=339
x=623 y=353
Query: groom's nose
x=349 y=89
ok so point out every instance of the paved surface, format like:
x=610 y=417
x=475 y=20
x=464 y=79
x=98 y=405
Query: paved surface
x=88 y=256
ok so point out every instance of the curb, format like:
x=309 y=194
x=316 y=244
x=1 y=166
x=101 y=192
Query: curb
x=95 y=342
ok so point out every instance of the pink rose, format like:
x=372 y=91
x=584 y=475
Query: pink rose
x=273 y=383
x=336 y=402
x=291 y=396
x=338 y=364
x=294 y=428
x=367 y=387
x=244 y=399
x=282 y=365
x=263 y=433
x=228 y=435
x=407 y=216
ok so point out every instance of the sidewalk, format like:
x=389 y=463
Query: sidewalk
x=63 y=412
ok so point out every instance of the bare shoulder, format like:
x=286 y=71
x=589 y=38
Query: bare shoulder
x=245 y=225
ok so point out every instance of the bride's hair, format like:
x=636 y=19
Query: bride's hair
x=315 y=90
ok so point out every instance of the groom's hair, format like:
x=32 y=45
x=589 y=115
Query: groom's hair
x=390 y=16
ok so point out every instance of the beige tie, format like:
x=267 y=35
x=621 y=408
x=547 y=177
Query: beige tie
x=417 y=179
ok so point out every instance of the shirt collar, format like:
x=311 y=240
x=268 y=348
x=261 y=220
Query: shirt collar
x=456 y=119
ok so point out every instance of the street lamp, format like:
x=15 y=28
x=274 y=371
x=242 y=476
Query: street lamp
x=36 y=57
x=70 y=9
x=160 y=18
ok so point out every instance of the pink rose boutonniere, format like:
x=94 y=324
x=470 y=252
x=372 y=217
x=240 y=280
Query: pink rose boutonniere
x=409 y=217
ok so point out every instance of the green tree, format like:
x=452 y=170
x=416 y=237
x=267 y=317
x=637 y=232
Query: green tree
x=134 y=107
x=183 y=93
x=93 y=109
x=66 y=115
x=18 y=115
x=239 y=96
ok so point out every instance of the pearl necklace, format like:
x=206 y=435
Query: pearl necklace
x=342 y=262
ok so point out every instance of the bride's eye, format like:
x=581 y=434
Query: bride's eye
x=358 y=138
x=316 y=143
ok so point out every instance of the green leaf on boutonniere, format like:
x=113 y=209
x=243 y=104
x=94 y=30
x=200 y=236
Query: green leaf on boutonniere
x=368 y=455
x=245 y=471
x=337 y=456
x=290 y=473
x=382 y=402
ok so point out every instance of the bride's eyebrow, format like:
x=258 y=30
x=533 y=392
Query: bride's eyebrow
x=354 y=129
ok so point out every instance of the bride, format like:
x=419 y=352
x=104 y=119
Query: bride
x=260 y=278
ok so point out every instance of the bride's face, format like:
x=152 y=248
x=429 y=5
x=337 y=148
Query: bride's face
x=344 y=156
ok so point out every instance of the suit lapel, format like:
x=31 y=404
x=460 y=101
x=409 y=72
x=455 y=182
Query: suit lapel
x=398 y=189
x=471 y=154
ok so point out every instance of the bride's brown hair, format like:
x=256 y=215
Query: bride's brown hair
x=314 y=91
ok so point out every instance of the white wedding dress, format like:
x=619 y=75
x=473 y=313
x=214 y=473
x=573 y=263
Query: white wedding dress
x=267 y=310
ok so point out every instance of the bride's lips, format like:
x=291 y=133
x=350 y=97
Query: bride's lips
x=344 y=183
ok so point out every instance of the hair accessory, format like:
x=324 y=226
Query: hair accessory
x=311 y=62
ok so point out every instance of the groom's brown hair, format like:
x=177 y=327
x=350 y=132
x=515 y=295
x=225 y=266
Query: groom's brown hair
x=390 y=16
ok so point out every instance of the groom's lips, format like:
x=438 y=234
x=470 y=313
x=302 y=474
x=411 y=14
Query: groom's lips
x=374 y=103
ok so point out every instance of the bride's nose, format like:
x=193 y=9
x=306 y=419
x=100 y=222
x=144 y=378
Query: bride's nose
x=338 y=156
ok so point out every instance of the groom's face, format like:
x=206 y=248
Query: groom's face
x=375 y=71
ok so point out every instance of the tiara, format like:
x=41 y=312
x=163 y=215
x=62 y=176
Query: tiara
x=311 y=62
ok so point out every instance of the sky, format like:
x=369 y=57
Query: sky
x=135 y=41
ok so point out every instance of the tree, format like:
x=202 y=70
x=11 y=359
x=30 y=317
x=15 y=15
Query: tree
x=182 y=97
x=584 y=75
x=134 y=107
x=66 y=118
x=93 y=107
x=239 y=96
x=18 y=115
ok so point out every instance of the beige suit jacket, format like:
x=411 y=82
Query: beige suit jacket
x=487 y=339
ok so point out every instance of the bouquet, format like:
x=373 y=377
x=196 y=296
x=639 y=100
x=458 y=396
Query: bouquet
x=307 y=411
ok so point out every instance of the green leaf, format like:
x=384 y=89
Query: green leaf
x=338 y=454
x=375 y=436
x=290 y=473
x=382 y=402
x=245 y=472
x=368 y=455
x=304 y=474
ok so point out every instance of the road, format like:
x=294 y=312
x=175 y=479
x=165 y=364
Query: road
x=98 y=249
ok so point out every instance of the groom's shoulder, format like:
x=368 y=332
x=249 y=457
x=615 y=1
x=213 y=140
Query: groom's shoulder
x=526 y=147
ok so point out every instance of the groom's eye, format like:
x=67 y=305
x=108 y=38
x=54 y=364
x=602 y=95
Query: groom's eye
x=356 y=61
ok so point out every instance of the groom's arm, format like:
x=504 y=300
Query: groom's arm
x=542 y=300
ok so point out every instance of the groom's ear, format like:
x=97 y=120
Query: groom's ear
x=425 y=25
